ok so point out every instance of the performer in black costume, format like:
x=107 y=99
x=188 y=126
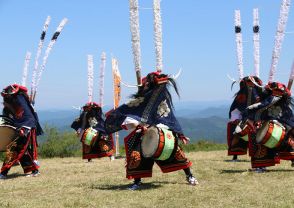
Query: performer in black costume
x=24 y=148
x=151 y=106
x=101 y=145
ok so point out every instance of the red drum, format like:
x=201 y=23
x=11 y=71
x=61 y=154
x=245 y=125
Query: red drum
x=271 y=134
x=157 y=143
x=89 y=136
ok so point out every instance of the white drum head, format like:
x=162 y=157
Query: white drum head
x=262 y=132
x=150 y=142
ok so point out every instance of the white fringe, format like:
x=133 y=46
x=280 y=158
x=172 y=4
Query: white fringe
x=90 y=77
x=102 y=74
x=48 y=50
x=40 y=46
x=284 y=11
x=157 y=34
x=256 y=43
x=134 y=24
x=239 y=45
x=25 y=68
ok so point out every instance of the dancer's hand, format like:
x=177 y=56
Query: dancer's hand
x=184 y=139
x=22 y=131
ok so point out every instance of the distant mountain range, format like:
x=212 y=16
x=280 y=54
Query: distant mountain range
x=197 y=123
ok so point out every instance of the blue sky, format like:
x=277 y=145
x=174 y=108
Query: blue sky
x=198 y=36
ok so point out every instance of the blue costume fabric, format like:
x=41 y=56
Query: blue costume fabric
x=152 y=109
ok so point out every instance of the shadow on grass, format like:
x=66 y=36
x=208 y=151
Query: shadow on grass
x=144 y=186
x=280 y=170
x=236 y=161
x=252 y=171
x=232 y=171
x=14 y=175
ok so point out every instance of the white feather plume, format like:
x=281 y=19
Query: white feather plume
x=256 y=42
x=39 y=51
x=49 y=48
x=102 y=74
x=157 y=34
x=90 y=77
x=239 y=44
x=135 y=31
x=25 y=68
x=284 y=12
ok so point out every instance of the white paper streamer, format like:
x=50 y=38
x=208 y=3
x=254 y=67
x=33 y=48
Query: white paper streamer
x=239 y=43
x=284 y=11
x=25 y=68
x=135 y=31
x=157 y=34
x=90 y=77
x=39 y=51
x=49 y=48
x=102 y=74
x=256 y=42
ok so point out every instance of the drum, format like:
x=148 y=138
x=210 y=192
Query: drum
x=271 y=134
x=89 y=136
x=7 y=132
x=157 y=143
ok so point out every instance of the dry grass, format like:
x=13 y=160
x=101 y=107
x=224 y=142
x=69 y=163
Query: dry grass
x=70 y=182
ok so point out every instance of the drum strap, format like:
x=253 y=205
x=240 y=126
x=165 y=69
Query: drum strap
x=249 y=96
x=151 y=103
x=84 y=121
x=260 y=111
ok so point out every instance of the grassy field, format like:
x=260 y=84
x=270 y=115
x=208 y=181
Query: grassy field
x=71 y=182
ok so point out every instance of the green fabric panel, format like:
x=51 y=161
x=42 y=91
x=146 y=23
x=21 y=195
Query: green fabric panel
x=169 y=145
x=245 y=138
x=275 y=137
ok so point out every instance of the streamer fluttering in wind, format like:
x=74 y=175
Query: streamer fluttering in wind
x=116 y=94
x=116 y=82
